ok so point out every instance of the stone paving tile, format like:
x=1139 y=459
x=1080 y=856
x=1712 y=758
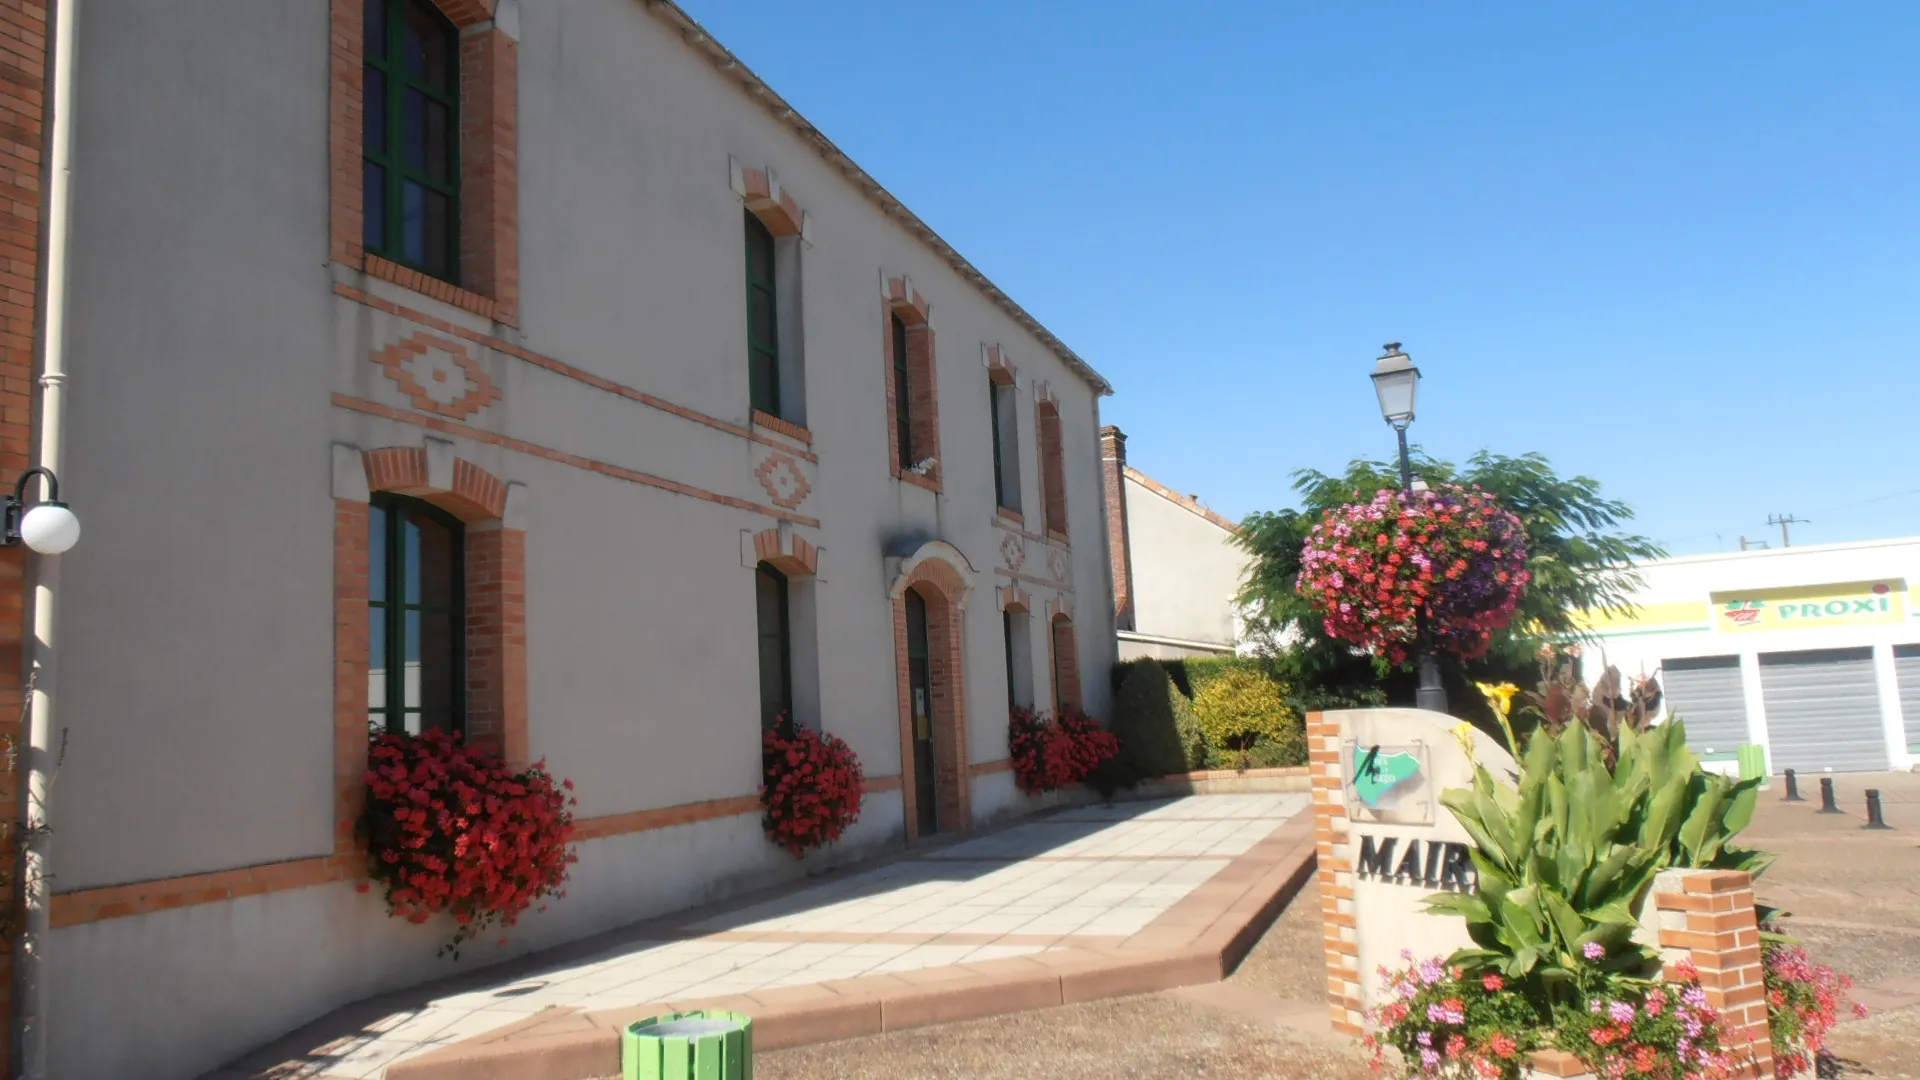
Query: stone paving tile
x=1090 y=876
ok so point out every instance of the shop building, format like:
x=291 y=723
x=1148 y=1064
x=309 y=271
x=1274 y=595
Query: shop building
x=1810 y=653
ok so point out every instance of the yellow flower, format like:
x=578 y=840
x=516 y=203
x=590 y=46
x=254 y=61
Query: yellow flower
x=1499 y=697
x=1463 y=734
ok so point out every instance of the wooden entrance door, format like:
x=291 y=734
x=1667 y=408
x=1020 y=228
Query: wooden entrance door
x=920 y=684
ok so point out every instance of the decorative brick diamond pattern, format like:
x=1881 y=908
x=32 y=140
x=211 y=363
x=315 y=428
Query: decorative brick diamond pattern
x=1013 y=551
x=438 y=375
x=783 y=480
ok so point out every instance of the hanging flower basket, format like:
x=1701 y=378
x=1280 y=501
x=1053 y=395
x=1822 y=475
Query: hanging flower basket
x=1452 y=554
x=812 y=788
x=450 y=830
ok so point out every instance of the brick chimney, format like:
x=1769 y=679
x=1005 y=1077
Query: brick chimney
x=1113 y=462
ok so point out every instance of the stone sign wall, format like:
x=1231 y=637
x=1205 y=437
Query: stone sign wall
x=1384 y=842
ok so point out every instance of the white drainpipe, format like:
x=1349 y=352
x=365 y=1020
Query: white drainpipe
x=30 y=988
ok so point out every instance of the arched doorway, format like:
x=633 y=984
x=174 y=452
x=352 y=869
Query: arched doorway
x=929 y=596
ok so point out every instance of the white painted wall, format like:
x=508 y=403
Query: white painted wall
x=197 y=617
x=1186 y=570
x=1641 y=646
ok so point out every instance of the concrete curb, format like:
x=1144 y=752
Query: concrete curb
x=1199 y=940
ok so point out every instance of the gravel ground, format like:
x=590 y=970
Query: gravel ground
x=1854 y=895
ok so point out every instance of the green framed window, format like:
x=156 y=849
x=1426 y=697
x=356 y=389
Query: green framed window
x=411 y=108
x=776 y=645
x=902 y=395
x=763 y=326
x=417 y=616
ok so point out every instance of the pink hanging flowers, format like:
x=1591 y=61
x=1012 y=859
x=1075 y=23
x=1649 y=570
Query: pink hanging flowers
x=1453 y=554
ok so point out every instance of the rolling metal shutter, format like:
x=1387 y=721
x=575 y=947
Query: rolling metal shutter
x=1705 y=693
x=1823 y=711
x=1906 y=667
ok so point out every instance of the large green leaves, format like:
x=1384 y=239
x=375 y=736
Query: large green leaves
x=1566 y=858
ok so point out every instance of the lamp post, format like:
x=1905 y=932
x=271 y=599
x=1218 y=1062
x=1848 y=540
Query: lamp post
x=1397 y=383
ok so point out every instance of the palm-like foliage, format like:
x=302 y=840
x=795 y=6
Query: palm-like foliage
x=1566 y=858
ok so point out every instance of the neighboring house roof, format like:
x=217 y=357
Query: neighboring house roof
x=697 y=37
x=1182 y=501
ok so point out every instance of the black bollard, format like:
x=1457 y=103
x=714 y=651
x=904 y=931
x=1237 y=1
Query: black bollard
x=1793 y=788
x=1827 y=804
x=1875 y=819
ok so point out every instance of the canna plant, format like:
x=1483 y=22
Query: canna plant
x=1566 y=858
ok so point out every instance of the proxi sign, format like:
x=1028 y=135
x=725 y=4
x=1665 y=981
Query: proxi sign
x=1811 y=607
x=1385 y=842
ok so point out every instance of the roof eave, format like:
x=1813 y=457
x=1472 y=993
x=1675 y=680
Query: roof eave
x=696 y=36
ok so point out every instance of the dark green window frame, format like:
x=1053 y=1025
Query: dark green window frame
x=396 y=589
x=775 y=645
x=411 y=109
x=902 y=395
x=763 y=319
x=1006 y=635
x=1004 y=497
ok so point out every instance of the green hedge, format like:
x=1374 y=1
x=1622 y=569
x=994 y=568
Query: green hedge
x=1158 y=732
x=1250 y=712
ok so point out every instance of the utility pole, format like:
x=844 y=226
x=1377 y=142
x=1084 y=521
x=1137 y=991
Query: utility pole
x=1785 y=520
x=1752 y=545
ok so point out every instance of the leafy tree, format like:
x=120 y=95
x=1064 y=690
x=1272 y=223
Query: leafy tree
x=1578 y=555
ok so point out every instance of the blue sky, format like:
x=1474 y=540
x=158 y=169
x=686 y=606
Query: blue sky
x=1675 y=247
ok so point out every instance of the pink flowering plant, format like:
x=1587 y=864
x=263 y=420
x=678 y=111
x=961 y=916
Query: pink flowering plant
x=1449 y=1025
x=1452 y=555
x=1635 y=1030
x=1804 y=1002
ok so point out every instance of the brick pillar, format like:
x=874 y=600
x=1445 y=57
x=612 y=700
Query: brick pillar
x=1113 y=463
x=1707 y=917
x=1337 y=916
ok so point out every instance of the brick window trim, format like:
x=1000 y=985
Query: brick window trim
x=999 y=369
x=780 y=426
x=915 y=314
x=496 y=631
x=791 y=554
x=763 y=195
x=1064 y=650
x=1053 y=478
x=943 y=585
x=489 y=209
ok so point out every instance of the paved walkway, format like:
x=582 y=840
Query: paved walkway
x=1079 y=884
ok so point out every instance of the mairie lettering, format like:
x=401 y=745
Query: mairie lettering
x=1437 y=865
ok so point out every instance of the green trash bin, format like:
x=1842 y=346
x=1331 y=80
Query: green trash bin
x=706 y=1044
x=1753 y=762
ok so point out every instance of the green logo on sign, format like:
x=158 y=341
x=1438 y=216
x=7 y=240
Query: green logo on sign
x=1377 y=775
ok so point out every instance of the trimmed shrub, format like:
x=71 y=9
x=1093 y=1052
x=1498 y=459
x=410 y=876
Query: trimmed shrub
x=1240 y=705
x=1158 y=732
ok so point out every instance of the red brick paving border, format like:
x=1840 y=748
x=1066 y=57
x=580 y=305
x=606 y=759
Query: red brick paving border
x=1198 y=940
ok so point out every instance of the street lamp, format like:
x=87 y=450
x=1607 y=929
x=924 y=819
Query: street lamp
x=1397 y=383
x=47 y=527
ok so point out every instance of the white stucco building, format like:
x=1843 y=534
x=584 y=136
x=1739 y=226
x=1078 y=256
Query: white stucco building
x=1176 y=567
x=1810 y=652
x=526 y=368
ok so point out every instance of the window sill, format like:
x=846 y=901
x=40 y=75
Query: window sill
x=931 y=483
x=784 y=427
x=1056 y=534
x=427 y=285
x=1010 y=515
